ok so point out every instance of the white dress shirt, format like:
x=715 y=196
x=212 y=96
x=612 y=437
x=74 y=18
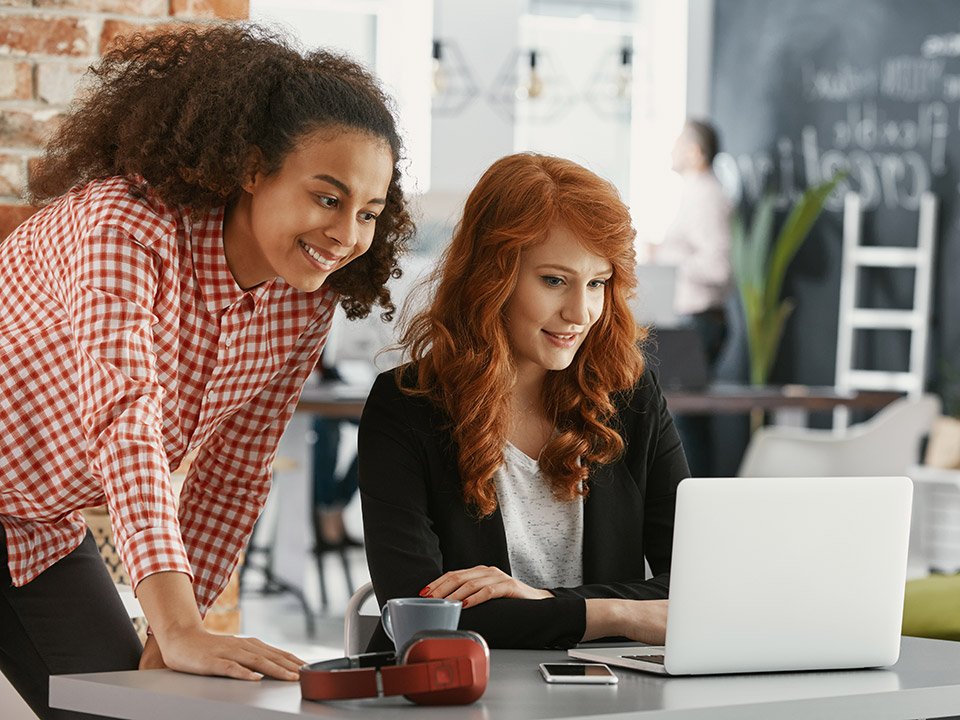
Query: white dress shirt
x=698 y=243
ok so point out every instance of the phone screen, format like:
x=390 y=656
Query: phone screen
x=577 y=672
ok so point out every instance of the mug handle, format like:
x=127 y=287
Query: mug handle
x=385 y=620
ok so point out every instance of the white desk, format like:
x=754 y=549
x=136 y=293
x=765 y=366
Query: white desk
x=923 y=684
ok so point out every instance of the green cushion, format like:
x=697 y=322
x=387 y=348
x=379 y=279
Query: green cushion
x=931 y=607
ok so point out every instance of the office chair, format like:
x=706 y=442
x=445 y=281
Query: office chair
x=358 y=628
x=886 y=444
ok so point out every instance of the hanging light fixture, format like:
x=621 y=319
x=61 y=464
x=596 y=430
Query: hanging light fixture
x=610 y=89
x=529 y=85
x=452 y=85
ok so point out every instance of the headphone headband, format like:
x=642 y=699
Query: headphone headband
x=436 y=668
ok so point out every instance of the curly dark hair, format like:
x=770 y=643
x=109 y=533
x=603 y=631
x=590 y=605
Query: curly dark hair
x=184 y=108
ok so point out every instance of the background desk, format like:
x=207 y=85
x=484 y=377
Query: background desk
x=790 y=404
x=333 y=400
x=923 y=684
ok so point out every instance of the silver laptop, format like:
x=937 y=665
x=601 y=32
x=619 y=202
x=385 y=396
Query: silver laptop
x=781 y=574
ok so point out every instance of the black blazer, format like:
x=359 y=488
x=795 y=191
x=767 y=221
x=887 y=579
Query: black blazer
x=417 y=525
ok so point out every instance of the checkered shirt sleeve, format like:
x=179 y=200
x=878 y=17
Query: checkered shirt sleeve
x=111 y=306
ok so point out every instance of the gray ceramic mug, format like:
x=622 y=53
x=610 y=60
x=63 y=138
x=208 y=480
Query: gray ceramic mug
x=402 y=618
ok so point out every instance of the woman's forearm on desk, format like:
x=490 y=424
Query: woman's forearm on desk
x=169 y=605
x=640 y=620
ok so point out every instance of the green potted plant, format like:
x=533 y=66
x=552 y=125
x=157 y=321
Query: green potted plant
x=760 y=264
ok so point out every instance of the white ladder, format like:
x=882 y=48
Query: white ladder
x=853 y=318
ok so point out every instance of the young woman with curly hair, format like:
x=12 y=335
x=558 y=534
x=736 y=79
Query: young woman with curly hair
x=210 y=198
x=524 y=462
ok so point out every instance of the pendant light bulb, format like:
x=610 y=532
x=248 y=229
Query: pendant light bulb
x=534 y=81
x=624 y=79
x=439 y=75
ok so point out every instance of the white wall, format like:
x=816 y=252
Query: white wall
x=585 y=122
x=659 y=111
x=465 y=144
x=699 y=56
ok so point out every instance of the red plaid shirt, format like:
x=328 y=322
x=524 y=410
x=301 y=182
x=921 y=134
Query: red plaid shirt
x=125 y=343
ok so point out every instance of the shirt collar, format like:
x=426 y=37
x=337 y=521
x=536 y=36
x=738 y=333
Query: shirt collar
x=217 y=284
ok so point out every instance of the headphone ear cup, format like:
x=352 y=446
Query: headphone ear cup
x=466 y=648
x=433 y=635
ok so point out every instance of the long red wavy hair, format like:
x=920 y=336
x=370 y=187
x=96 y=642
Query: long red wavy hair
x=465 y=364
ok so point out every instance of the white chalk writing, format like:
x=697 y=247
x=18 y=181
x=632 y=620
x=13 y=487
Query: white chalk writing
x=911 y=78
x=845 y=82
x=941 y=46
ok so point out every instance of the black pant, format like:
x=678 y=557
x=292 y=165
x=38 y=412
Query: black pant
x=68 y=620
x=329 y=491
x=696 y=431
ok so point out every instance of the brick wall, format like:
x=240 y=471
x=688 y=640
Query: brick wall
x=45 y=47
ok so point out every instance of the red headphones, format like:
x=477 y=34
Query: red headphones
x=437 y=667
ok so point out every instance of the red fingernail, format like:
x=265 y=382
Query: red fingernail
x=425 y=591
x=464 y=603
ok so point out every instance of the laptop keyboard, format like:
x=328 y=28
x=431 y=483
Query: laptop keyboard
x=648 y=658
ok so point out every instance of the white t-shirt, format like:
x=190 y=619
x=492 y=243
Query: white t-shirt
x=544 y=534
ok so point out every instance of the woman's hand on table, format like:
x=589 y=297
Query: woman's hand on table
x=180 y=642
x=478 y=584
x=639 y=620
x=197 y=651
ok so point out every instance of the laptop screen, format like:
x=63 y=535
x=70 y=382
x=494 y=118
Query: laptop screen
x=787 y=573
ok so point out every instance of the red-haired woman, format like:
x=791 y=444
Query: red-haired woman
x=524 y=462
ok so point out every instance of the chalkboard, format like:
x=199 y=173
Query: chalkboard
x=802 y=88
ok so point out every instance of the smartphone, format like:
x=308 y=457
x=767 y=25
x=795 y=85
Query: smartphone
x=581 y=673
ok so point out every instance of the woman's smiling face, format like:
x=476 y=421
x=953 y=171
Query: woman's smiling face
x=313 y=215
x=558 y=298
